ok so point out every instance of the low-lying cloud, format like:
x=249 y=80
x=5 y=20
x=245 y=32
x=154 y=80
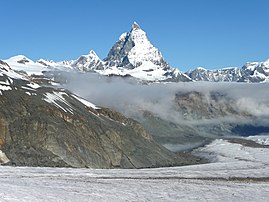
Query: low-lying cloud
x=130 y=98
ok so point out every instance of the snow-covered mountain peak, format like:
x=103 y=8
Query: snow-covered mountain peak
x=201 y=69
x=139 y=37
x=259 y=66
x=92 y=53
x=22 y=59
x=250 y=66
x=88 y=62
x=89 y=56
x=46 y=62
x=134 y=48
x=28 y=67
x=135 y=26
x=134 y=55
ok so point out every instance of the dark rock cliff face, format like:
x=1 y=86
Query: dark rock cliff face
x=117 y=56
x=35 y=132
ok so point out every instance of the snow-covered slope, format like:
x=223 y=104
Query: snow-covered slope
x=5 y=70
x=251 y=72
x=26 y=66
x=241 y=174
x=256 y=71
x=6 y=77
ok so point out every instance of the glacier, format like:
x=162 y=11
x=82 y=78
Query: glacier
x=234 y=176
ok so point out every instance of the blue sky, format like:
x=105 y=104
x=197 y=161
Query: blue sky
x=190 y=33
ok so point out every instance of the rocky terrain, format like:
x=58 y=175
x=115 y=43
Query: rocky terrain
x=44 y=126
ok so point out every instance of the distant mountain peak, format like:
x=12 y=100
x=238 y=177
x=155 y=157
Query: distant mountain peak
x=135 y=26
x=92 y=53
x=88 y=62
x=133 y=49
x=20 y=59
x=133 y=54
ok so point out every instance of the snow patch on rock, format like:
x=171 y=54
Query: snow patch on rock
x=85 y=102
x=3 y=158
x=57 y=99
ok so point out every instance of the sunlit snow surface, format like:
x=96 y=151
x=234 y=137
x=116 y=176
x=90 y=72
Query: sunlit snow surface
x=261 y=139
x=22 y=63
x=86 y=103
x=29 y=66
x=232 y=178
x=58 y=99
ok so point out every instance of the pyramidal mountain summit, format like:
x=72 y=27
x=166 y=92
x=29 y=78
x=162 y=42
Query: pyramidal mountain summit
x=133 y=54
x=133 y=49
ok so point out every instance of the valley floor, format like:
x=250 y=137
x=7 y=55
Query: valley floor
x=239 y=173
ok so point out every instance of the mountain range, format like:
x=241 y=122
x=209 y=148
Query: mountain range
x=251 y=72
x=133 y=55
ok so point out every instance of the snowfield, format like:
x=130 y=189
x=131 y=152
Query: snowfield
x=239 y=173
